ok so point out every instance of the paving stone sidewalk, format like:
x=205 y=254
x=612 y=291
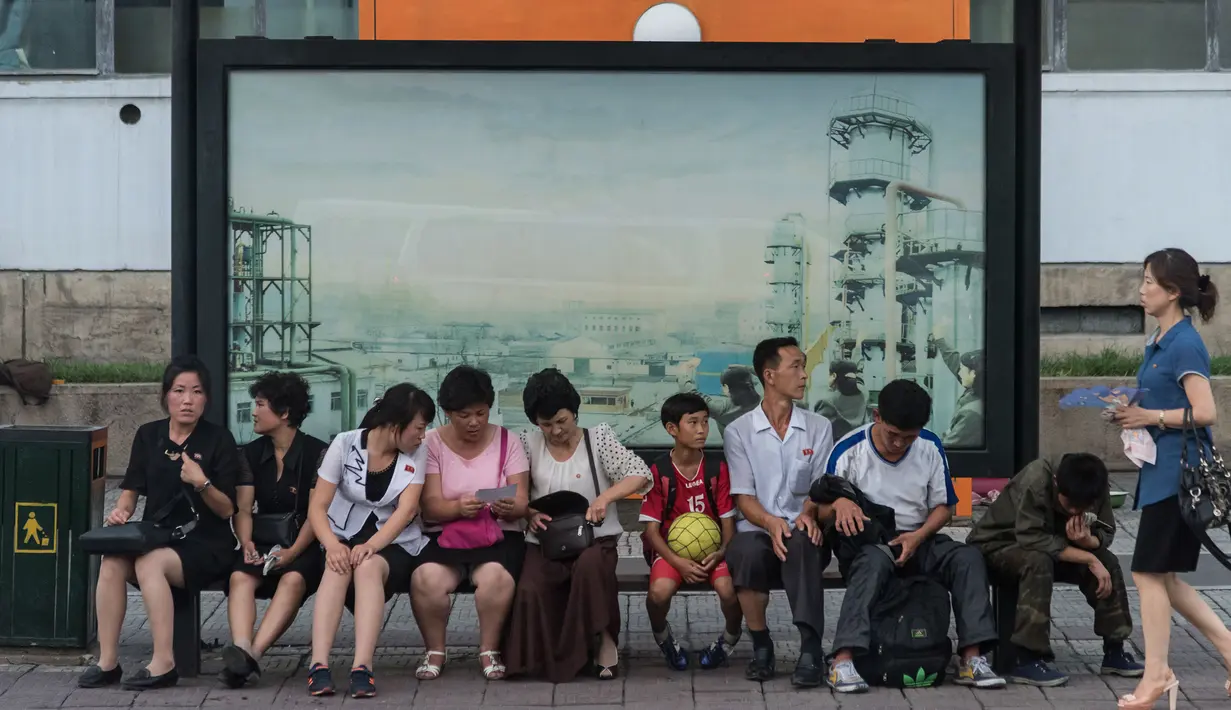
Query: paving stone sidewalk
x=645 y=683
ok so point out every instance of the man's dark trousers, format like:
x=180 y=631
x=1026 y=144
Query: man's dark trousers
x=1036 y=573
x=957 y=566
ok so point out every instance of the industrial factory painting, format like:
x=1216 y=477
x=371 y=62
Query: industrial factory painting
x=639 y=231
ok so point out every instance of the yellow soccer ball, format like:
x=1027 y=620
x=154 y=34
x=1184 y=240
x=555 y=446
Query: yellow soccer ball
x=694 y=536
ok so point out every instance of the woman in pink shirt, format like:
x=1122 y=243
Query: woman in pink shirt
x=468 y=537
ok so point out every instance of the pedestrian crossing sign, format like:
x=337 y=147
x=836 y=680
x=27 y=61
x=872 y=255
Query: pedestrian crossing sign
x=35 y=528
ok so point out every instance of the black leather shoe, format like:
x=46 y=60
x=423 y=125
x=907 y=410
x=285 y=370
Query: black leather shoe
x=95 y=677
x=142 y=680
x=761 y=667
x=239 y=665
x=808 y=673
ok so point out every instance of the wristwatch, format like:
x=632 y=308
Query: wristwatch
x=205 y=485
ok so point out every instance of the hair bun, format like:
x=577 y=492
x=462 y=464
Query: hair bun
x=1203 y=283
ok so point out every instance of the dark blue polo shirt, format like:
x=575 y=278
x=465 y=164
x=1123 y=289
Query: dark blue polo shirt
x=1179 y=353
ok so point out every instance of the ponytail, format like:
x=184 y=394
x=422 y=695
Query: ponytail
x=1207 y=298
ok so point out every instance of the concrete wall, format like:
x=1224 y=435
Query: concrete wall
x=1082 y=429
x=117 y=316
x=1117 y=285
x=123 y=408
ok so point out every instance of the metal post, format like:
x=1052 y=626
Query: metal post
x=1026 y=34
x=185 y=20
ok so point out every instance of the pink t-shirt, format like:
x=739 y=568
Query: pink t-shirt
x=461 y=477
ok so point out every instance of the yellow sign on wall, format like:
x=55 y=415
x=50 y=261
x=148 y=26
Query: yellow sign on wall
x=35 y=528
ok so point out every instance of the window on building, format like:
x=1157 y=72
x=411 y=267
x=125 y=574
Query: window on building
x=1135 y=34
x=243 y=413
x=1224 y=32
x=311 y=402
x=335 y=401
x=47 y=35
x=143 y=27
x=361 y=399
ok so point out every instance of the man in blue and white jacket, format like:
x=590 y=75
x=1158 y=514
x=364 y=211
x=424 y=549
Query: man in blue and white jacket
x=899 y=464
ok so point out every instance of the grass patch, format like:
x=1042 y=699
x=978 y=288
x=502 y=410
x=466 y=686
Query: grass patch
x=80 y=373
x=1110 y=363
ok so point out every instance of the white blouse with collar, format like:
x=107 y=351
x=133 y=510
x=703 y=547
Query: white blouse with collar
x=613 y=463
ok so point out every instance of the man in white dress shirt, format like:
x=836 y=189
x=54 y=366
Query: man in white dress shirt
x=774 y=454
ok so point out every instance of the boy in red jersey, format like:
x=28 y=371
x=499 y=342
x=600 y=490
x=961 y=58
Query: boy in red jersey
x=685 y=481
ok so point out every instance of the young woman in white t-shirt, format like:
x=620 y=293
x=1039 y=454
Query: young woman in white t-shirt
x=363 y=511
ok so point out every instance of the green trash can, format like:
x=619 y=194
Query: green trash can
x=52 y=488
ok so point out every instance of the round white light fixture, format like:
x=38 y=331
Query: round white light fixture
x=667 y=22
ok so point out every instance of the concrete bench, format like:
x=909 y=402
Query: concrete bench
x=632 y=575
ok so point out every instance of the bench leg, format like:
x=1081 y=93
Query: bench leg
x=187 y=642
x=1004 y=607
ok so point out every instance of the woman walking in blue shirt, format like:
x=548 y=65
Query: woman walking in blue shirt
x=1175 y=374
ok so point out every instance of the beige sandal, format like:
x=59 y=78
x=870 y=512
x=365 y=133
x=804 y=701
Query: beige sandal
x=494 y=670
x=428 y=670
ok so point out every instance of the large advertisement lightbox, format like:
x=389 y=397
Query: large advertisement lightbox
x=638 y=216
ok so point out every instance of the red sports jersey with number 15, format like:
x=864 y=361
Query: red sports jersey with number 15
x=690 y=496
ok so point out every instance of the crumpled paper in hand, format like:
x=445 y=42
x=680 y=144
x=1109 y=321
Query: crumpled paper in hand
x=1138 y=446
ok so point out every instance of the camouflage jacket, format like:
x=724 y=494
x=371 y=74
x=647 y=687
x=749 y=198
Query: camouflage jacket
x=1026 y=514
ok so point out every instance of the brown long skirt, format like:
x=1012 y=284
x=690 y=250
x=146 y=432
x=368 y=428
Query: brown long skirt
x=560 y=610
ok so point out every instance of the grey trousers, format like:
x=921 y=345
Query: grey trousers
x=957 y=566
x=754 y=566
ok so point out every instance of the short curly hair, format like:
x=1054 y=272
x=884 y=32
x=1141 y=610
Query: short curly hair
x=465 y=386
x=286 y=393
x=547 y=392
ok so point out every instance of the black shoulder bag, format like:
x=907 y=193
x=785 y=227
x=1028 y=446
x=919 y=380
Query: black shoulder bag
x=282 y=529
x=1205 y=489
x=143 y=536
x=567 y=536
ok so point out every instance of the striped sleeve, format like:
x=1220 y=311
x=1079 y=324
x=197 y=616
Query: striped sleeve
x=838 y=462
x=940 y=490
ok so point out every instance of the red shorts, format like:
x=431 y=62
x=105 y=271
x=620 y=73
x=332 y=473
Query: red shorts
x=662 y=569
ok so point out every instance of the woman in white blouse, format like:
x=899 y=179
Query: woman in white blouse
x=363 y=511
x=566 y=614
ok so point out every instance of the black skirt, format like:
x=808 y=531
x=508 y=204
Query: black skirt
x=310 y=565
x=1165 y=543
x=401 y=563
x=206 y=556
x=509 y=553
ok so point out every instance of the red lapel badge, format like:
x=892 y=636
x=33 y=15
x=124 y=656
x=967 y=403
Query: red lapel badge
x=807 y=452
x=410 y=469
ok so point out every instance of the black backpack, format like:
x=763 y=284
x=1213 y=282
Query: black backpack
x=910 y=636
x=711 y=467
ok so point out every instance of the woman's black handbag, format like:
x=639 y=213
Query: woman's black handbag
x=271 y=529
x=282 y=529
x=1205 y=489
x=567 y=536
x=140 y=537
x=1205 y=484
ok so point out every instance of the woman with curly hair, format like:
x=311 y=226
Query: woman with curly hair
x=277 y=481
x=566 y=613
